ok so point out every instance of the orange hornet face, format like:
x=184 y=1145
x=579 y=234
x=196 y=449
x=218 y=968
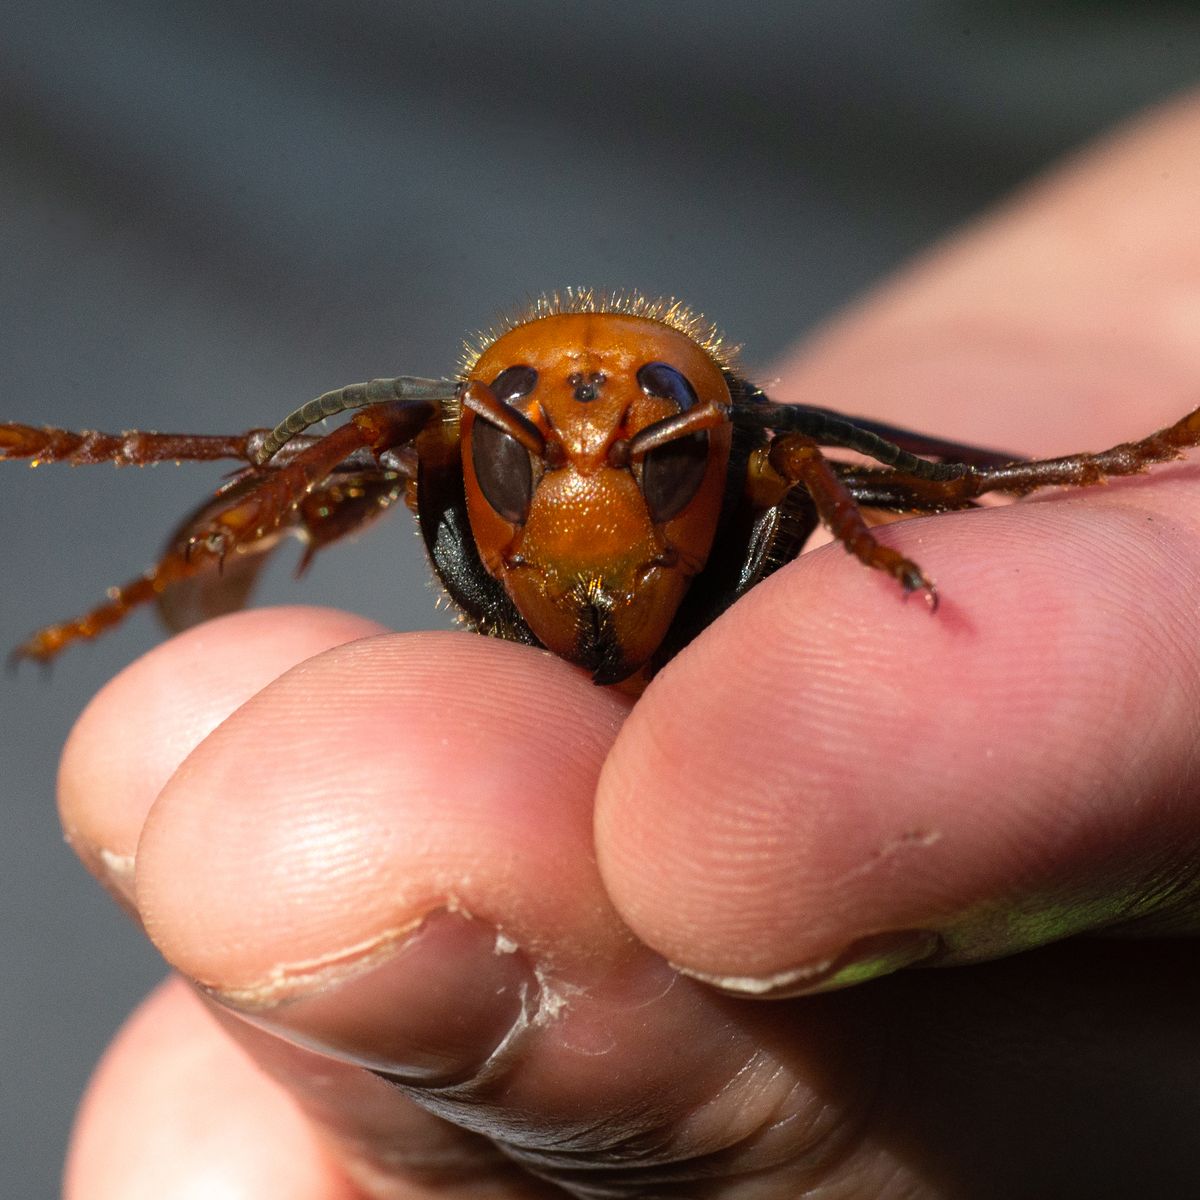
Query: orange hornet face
x=594 y=457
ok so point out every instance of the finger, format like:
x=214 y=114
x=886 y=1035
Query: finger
x=150 y=718
x=176 y=696
x=868 y=787
x=407 y=885
x=877 y=785
x=176 y=1110
x=345 y=770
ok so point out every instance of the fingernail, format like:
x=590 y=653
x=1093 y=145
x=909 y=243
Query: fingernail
x=868 y=958
x=432 y=1012
x=115 y=872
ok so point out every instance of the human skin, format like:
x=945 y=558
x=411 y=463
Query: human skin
x=812 y=917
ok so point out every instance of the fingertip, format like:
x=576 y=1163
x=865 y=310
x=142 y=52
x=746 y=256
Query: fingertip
x=827 y=768
x=369 y=787
x=138 y=729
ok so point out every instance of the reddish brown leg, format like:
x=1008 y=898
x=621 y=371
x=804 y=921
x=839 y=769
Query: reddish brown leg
x=799 y=460
x=343 y=505
x=1072 y=470
x=892 y=491
x=47 y=643
x=261 y=509
x=135 y=447
x=188 y=588
x=247 y=518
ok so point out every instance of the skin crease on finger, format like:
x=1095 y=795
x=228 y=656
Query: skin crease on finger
x=842 y=603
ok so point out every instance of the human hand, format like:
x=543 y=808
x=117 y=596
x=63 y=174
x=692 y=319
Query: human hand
x=379 y=860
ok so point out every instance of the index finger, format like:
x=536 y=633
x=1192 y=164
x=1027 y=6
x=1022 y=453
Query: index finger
x=828 y=784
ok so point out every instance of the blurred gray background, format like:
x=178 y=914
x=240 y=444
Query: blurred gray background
x=211 y=210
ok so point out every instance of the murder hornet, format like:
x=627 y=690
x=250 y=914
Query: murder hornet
x=599 y=479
